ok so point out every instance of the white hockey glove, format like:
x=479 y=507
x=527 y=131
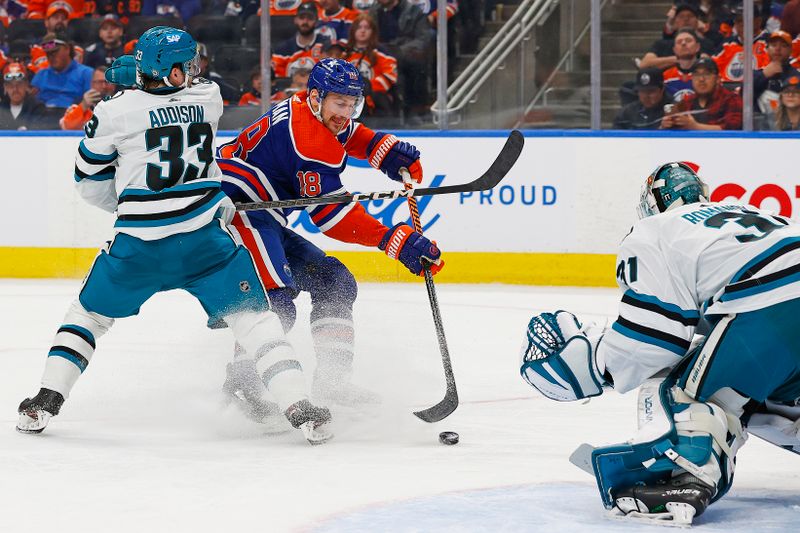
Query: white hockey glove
x=558 y=357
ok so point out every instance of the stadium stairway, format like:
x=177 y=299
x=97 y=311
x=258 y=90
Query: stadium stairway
x=629 y=27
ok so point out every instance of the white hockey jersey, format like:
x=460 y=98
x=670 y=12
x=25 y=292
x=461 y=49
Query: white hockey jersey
x=150 y=158
x=690 y=263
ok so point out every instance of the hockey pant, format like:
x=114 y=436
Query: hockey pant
x=206 y=263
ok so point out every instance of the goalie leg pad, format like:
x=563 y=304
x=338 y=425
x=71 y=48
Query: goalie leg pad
x=675 y=433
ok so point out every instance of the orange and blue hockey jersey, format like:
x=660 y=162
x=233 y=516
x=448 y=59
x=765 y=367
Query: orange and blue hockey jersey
x=336 y=27
x=730 y=59
x=288 y=153
x=290 y=56
x=380 y=73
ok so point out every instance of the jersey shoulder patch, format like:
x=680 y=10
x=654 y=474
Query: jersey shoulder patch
x=311 y=139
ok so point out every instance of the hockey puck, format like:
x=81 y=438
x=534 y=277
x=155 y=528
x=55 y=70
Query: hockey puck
x=448 y=437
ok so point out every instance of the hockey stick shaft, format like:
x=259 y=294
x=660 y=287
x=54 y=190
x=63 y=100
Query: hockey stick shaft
x=496 y=172
x=444 y=408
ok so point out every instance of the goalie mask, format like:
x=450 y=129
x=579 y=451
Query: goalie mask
x=670 y=186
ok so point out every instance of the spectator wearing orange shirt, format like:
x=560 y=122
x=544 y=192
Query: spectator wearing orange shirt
x=377 y=68
x=77 y=115
x=38 y=9
x=730 y=59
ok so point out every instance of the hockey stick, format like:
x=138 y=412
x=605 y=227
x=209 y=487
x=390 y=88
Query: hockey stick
x=500 y=167
x=444 y=408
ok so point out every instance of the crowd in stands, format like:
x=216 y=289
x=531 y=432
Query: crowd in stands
x=53 y=53
x=691 y=77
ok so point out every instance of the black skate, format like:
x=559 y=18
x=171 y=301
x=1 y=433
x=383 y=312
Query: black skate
x=677 y=501
x=35 y=413
x=244 y=388
x=311 y=420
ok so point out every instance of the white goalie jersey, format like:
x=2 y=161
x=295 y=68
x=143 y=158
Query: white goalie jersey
x=150 y=157
x=688 y=264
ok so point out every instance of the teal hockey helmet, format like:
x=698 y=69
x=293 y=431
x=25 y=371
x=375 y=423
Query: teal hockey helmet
x=161 y=48
x=669 y=186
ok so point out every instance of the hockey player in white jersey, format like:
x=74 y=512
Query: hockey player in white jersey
x=688 y=266
x=148 y=155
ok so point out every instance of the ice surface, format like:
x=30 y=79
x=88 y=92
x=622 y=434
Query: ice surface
x=144 y=444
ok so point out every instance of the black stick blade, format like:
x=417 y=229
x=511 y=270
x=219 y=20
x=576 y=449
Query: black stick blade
x=505 y=160
x=441 y=410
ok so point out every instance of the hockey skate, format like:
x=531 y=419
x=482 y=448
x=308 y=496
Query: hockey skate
x=311 y=420
x=243 y=388
x=36 y=412
x=675 y=502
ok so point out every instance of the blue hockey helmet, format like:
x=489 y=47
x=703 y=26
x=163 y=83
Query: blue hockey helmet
x=669 y=186
x=333 y=75
x=161 y=48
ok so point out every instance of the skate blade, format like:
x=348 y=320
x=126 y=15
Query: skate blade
x=316 y=435
x=33 y=423
x=679 y=517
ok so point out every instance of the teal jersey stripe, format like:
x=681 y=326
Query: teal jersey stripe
x=183 y=187
x=103 y=176
x=685 y=313
x=213 y=204
x=761 y=288
x=640 y=337
x=69 y=357
x=105 y=158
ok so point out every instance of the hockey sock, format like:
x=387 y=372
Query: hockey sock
x=261 y=335
x=73 y=347
x=333 y=343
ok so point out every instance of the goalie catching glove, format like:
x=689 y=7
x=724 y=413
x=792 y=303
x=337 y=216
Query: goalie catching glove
x=412 y=249
x=559 y=357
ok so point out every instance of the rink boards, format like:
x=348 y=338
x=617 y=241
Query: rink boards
x=555 y=220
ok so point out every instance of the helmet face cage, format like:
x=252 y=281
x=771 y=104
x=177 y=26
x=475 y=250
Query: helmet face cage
x=670 y=186
x=332 y=75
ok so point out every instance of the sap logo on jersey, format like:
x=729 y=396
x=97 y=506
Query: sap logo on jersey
x=179 y=114
x=510 y=195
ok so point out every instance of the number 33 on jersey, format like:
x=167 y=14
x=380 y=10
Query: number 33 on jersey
x=168 y=181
